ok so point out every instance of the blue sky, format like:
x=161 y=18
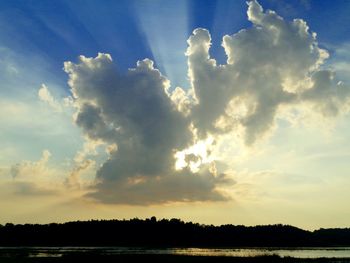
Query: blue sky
x=62 y=30
x=55 y=129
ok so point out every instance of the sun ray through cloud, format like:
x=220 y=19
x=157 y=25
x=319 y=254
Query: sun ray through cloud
x=166 y=32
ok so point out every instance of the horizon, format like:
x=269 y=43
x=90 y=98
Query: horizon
x=170 y=219
x=217 y=112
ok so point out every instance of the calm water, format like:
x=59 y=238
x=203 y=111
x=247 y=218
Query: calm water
x=331 y=252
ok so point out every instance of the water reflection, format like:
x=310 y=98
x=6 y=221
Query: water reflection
x=331 y=252
x=343 y=252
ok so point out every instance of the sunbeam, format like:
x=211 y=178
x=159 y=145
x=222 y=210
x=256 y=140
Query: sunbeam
x=166 y=34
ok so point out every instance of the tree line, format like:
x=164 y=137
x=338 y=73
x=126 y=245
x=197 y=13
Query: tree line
x=166 y=233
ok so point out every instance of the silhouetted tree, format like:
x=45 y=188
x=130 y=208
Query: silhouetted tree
x=165 y=233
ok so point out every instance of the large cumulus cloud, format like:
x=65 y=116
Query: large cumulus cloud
x=135 y=112
x=272 y=64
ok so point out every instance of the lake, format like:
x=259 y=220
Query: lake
x=310 y=252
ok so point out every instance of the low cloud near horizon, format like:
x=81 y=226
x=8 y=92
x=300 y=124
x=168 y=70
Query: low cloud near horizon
x=160 y=139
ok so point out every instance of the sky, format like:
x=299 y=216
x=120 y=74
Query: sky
x=217 y=112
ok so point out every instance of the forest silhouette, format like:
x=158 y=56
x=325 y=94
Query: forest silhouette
x=167 y=233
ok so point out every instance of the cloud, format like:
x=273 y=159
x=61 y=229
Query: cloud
x=181 y=186
x=273 y=64
x=33 y=178
x=74 y=178
x=29 y=169
x=340 y=60
x=29 y=189
x=45 y=95
x=134 y=112
x=29 y=125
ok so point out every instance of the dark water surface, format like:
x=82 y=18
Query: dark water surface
x=309 y=253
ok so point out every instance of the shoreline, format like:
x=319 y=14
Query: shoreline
x=160 y=258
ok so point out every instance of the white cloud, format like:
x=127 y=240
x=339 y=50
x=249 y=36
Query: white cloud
x=34 y=177
x=45 y=95
x=31 y=170
x=272 y=64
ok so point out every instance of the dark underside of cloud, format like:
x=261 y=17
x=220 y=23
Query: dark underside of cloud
x=272 y=64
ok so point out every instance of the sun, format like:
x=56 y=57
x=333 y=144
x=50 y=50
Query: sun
x=195 y=156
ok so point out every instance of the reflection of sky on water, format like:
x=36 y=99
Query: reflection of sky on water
x=331 y=252
x=343 y=252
